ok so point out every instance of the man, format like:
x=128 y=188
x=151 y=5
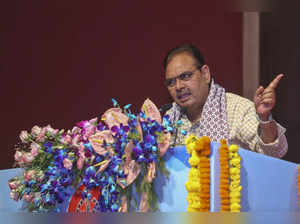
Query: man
x=204 y=108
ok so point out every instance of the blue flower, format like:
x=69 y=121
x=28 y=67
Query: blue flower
x=184 y=132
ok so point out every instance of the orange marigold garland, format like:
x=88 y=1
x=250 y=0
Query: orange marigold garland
x=230 y=178
x=299 y=185
x=224 y=176
x=198 y=184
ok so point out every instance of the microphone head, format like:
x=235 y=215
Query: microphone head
x=165 y=107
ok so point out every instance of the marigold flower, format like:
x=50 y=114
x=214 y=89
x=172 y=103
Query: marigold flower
x=225 y=208
x=233 y=148
x=234 y=171
x=235 y=207
x=235 y=200
x=204 y=170
x=198 y=184
x=235 y=194
x=194 y=161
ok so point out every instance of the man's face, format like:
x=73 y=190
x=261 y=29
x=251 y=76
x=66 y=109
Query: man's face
x=192 y=91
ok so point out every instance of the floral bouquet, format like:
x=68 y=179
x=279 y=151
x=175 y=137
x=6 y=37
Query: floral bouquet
x=100 y=159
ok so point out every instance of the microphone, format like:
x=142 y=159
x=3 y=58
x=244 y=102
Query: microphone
x=182 y=112
x=165 y=107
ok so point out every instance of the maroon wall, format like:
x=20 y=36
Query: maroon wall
x=61 y=62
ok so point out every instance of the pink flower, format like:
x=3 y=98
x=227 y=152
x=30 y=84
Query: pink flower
x=132 y=169
x=164 y=143
x=75 y=140
x=75 y=130
x=81 y=147
x=35 y=130
x=97 y=141
x=24 y=136
x=34 y=148
x=67 y=139
x=28 y=197
x=83 y=124
x=28 y=157
x=151 y=111
x=67 y=164
x=18 y=156
x=14 y=195
x=80 y=163
x=13 y=185
x=51 y=131
x=40 y=176
x=114 y=117
x=93 y=121
x=41 y=136
x=29 y=175
x=89 y=130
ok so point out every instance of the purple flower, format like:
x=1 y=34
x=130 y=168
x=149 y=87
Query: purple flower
x=83 y=124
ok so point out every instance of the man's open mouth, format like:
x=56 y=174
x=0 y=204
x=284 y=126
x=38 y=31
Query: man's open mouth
x=183 y=97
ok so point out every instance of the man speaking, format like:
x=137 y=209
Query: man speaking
x=205 y=109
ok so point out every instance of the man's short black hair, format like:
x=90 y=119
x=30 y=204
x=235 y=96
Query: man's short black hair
x=190 y=48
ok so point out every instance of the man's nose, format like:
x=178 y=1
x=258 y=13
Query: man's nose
x=179 y=84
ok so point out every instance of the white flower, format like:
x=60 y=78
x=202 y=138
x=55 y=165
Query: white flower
x=36 y=130
x=14 y=195
x=34 y=148
x=75 y=130
x=51 y=131
x=28 y=157
x=18 y=156
x=93 y=121
x=24 y=136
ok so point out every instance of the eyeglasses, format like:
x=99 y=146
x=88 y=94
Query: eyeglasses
x=185 y=76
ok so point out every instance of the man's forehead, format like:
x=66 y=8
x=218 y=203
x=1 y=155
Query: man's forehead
x=180 y=63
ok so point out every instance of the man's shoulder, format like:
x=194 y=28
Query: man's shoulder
x=236 y=100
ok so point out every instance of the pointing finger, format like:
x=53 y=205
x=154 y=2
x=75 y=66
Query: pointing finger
x=275 y=82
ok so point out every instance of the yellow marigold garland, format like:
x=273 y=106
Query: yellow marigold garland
x=235 y=179
x=224 y=177
x=198 y=184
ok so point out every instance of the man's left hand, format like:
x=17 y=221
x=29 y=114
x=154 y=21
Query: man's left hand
x=265 y=98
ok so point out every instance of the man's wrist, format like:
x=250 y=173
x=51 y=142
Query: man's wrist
x=264 y=119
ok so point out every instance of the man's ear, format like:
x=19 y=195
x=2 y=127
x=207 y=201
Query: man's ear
x=205 y=71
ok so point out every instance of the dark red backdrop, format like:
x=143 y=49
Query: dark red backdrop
x=61 y=62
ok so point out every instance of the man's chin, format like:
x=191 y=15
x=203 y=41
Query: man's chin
x=184 y=105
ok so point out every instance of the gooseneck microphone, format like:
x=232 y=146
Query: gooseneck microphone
x=182 y=112
x=165 y=107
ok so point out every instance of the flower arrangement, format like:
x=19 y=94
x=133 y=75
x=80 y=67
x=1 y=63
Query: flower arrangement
x=101 y=159
x=198 y=184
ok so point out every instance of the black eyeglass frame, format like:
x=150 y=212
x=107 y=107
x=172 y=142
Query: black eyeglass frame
x=185 y=76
